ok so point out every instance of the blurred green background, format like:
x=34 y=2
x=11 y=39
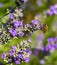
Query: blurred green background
x=49 y=20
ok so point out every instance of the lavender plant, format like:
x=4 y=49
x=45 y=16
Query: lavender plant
x=42 y=51
x=19 y=53
x=14 y=27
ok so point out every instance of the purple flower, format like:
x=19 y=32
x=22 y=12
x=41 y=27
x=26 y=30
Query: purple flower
x=27 y=59
x=50 y=12
x=52 y=7
x=12 y=32
x=51 y=46
x=17 y=61
x=18 y=24
x=11 y=52
x=39 y=2
x=28 y=51
x=21 y=34
x=29 y=40
x=55 y=6
x=20 y=55
x=3 y=55
x=40 y=37
x=36 y=52
x=46 y=48
x=55 y=11
x=51 y=40
x=56 y=45
x=24 y=1
x=35 y=22
x=14 y=48
x=11 y=15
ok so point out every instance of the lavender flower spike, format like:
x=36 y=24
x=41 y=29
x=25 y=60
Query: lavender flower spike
x=3 y=55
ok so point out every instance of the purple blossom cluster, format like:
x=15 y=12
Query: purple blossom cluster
x=49 y=48
x=52 y=44
x=16 y=26
x=20 y=30
x=19 y=53
x=52 y=10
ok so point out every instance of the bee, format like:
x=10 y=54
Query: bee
x=19 y=2
x=44 y=28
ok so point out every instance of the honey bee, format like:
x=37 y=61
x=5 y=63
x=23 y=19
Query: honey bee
x=44 y=28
